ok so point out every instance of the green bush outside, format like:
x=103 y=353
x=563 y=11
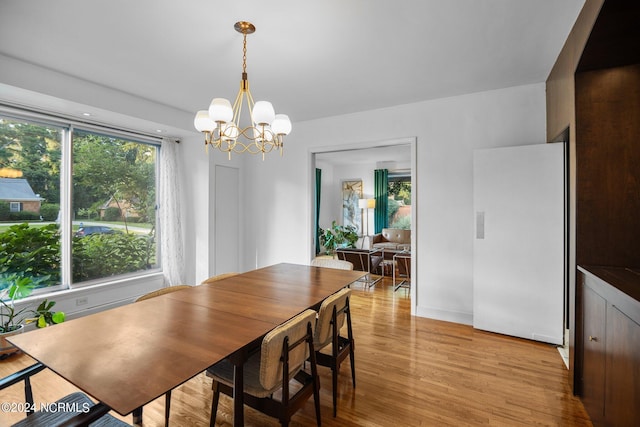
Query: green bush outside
x=392 y=208
x=49 y=211
x=31 y=251
x=404 y=222
x=112 y=214
x=35 y=252
x=103 y=255
x=24 y=216
x=4 y=211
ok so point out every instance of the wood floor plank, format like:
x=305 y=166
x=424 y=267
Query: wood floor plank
x=410 y=372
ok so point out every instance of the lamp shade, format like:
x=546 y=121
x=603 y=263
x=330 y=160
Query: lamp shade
x=362 y=203
x=220 y=110
x=371 y=203
x=263 y=113
x=203 y=122
x=281 y=125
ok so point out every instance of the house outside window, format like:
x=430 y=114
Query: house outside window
x=64 y=239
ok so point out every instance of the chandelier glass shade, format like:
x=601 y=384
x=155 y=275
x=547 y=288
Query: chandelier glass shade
x=221 y=123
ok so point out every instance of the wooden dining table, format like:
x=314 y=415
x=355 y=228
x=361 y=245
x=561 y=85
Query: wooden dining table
x=130 y=355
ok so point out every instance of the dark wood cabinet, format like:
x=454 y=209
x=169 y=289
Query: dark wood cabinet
x=622 y=392
x=593 y=356
x=608 y=347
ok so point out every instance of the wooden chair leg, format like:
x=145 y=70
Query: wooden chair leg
x=334 y=379
x=352 y=362
x=215 y=386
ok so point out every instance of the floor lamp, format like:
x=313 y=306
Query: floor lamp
x=365 y=205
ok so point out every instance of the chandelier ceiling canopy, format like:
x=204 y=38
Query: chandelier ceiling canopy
x=220 y=124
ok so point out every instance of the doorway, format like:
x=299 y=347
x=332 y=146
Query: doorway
x=357 y=163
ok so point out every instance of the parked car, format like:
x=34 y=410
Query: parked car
x=94 y=229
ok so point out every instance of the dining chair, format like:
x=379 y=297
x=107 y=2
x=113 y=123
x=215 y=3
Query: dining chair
x=282 y=355
x=363 y=260
x=137 y=413
x=218 y=277
x=84 y=412
x=331 y=263
x=403 y=274
x=161 y=291
x=331 y=318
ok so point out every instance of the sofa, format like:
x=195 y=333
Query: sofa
x=392 y=238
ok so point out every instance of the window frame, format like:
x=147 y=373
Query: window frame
x=67 y=126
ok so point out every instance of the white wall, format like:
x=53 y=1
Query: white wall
x=277 y=193
x=447 y=132
x=198 y=174
x=331 y=205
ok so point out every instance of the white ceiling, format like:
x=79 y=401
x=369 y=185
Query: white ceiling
x=311 y=59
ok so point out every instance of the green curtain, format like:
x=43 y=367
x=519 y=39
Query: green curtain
x=318 y=187
x=381 y=194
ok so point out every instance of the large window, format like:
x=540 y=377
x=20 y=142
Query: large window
x=399 y=204
x=87 y=201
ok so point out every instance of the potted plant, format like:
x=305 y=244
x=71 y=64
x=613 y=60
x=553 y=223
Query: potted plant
x=12 y=320
x=338 y=236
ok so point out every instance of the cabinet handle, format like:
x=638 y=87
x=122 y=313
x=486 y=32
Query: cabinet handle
x=595 y=339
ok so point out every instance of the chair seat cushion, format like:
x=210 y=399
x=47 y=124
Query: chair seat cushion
x=393 y=246
x=223 y=372
x=65 y=409
x=386 y=245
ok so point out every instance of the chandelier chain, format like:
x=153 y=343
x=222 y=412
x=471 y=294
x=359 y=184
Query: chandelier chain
x=244 y=53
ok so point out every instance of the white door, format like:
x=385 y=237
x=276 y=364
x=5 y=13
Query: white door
x=518 y=251
x=227 y=217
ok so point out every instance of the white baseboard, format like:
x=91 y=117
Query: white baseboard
x=445 y=315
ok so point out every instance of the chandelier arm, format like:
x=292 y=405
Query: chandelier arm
x=250 y=103
x=237 y=106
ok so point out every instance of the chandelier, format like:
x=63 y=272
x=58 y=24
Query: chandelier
x=221 y=122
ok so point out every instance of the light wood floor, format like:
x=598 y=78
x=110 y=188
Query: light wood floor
x=409 y=371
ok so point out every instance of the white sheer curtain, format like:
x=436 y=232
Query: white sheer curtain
x=171 y=245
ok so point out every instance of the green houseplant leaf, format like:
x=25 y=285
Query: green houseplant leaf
x=338 y=236
x=16 y=287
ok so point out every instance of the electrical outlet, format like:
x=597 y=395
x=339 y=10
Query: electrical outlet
x=82 y=301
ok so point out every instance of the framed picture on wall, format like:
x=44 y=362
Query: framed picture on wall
x=351 y=193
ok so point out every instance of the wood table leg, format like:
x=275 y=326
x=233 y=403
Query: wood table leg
x=238 y=389
x=137 y=416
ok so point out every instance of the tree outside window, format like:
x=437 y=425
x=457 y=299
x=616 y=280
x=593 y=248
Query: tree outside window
x=399 y=205
x=113 y=193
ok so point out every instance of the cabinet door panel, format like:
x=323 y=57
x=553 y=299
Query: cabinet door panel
x=593 y=372
x=623 y=370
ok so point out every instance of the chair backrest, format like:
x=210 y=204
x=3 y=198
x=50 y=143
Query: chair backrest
x=396 y=235
x=162 y=291
x=359 y=258
x=404 y=265
x=323 y=333
x=218 y=277
x=332 y=263
x=272 y=351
